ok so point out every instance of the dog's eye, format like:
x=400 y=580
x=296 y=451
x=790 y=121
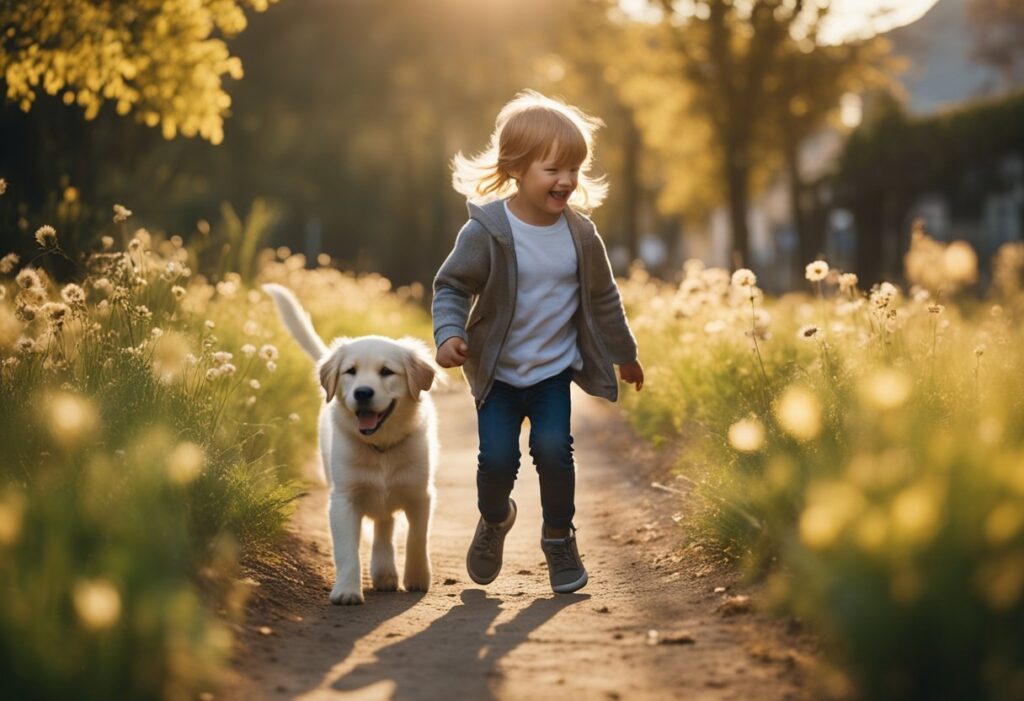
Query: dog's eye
x=386 y=372
x=351 y=371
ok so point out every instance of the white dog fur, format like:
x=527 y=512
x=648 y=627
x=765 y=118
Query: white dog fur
x=377 y=464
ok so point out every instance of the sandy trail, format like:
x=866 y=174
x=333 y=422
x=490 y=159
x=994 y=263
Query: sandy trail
x=515 y=639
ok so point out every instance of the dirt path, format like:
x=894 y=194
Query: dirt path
x=515 y=639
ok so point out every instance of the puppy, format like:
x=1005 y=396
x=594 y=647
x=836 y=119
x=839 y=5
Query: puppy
x=379 y=447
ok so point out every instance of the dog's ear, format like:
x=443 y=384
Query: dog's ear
x=420 y=370
x=330 y=369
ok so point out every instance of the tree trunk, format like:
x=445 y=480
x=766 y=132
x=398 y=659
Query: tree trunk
x=631 y=203
x=738 y=183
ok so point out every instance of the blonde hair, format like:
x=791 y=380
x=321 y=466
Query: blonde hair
x=527 y=129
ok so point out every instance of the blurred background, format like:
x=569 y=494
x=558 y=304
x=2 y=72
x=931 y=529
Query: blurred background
x=755 y=132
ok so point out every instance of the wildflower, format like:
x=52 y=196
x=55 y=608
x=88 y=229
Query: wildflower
x=268 y=352
x=807 y=332
x=107 y=242
x=8 y=262
x=747 y=435
x=936 y=308
x=248 y=350
x=102 y=284
x=271 y=366
x=222 y=357
x=847 y=281
x=97 y=603
x=171 y=271
x=121 y=213
x=744 y=277
x=185 y=463
x=143 y=311
x=28 y=278
x=55 y=313
x=228 y=369
x=209 y=323
x=799 y=413
x=714 y=326
x=191 y=359
x=693 y=267
x=884 y=295
x=212 y=374
x=46 y=237
x=25 y=345
x=818 y=270
x=156 y=332
x=178 y=291
x=73 y=295
x=254 y=383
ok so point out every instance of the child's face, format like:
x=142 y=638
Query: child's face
x=545 y=188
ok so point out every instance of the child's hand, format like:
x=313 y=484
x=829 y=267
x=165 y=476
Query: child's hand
x=632 y=373
x=452 y=353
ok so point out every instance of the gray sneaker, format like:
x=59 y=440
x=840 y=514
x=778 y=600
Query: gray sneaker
x=483 y=561
x=564 y=565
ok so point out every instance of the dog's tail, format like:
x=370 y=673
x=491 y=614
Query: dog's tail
x=297 y=320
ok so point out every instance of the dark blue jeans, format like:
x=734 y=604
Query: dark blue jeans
x=499 y=420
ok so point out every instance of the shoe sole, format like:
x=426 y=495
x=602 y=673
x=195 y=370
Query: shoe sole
x=482 y=580
x=571 y=586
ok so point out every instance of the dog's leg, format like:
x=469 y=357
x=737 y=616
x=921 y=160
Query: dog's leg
x=417 y=557
x=346 y=523
x=383 y=570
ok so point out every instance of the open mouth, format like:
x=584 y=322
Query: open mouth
x=560 y=195
x=370 y=421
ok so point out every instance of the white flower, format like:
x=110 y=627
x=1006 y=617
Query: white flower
x=73 y=294
x=818 y=270
x=222 y=357
x=228 y=369
x=271 y=366
x=28 y=278
x=156 y=332
x=209 y=323
x=121 y=213
x=212 y=374
x=178 y=291
x=847 y=281
x=268 y=352
x=248 y=350
x=8 y=262
x=107 y=242
x=254 y=383
x=744 y=277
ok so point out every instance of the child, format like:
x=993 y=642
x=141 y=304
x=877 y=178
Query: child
x=545 y=312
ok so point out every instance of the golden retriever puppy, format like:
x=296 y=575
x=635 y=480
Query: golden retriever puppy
x=379 y=448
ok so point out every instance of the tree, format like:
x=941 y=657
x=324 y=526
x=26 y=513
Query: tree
x=163 y=60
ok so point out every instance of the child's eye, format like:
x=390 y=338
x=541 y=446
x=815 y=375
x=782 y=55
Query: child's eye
x=351 y=371
x=386 y=372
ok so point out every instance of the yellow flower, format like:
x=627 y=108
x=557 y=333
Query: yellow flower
x=799 y=413
x=97 y=603
x=747 y=435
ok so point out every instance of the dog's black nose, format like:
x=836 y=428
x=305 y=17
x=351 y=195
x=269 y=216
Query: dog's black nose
x=363 y=394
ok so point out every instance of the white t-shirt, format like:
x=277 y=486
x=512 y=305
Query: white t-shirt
x=542 y=339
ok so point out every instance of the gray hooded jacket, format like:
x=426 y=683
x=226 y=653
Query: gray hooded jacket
x=475 y=295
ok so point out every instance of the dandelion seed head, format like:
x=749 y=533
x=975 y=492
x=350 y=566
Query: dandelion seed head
x=848 y=281
x=818 y=270
x=228 y=369
x=8 y=262
x=212 y=374
x=744 y=277
x=222 y=357
x=107 y=242
x=46 y=237
x=747 y=435
x=248 y=350
x=798 y=412
x=28 y=278
x=121 y=213
x=97 y=603
x=73 y=295
x=156 y=332
x=268 y=352
x=178 y=292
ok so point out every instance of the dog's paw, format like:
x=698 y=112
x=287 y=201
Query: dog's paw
x=385 y=581
x=340 y=597
x=417 y=582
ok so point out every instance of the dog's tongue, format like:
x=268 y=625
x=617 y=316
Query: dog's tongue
x=367 y=419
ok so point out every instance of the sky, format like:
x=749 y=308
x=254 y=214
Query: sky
x=848 y=18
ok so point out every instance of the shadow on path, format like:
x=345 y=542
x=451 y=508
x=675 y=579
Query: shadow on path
x=460 y=638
